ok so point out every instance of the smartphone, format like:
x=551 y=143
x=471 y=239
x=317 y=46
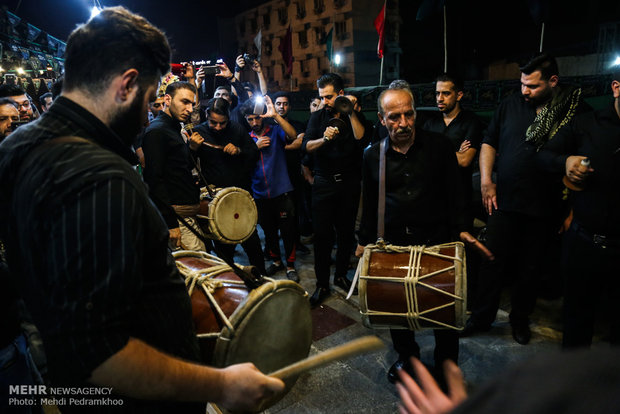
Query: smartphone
x=210 y=70
x=259 y=105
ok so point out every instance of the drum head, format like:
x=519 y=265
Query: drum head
x=232 y=215
x=273 y=329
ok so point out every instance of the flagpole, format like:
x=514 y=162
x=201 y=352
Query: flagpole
x=381 y=72
x=445 y=40
x=542 y=35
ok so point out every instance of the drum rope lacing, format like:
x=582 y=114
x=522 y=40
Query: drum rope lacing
x=204 y=278
x=413 y=279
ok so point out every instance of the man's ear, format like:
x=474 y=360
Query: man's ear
x=341 y=92
x=553 y=81
x=128 y=85
x=459 y=95
x=615 y=88
x=167 y=100
x=381 y=118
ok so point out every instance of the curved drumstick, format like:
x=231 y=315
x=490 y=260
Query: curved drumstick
x=470 y=240
x=212 y=145
x=350 y=349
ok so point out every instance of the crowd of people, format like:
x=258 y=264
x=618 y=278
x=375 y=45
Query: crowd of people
x=87 y=245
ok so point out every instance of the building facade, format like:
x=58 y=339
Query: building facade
x=354 y=41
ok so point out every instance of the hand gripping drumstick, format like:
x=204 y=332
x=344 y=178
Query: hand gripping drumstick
x=350 y=349
x=470 y=240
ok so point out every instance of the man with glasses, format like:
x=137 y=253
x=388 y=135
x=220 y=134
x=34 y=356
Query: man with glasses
x=17 y=94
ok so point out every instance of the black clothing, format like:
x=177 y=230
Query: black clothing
x=224 y=170
x=595 y=135
x=275 y=214
x=335 y=193
x=168 y=167
x=592 y=245
x=90 y=248
x=466 y=126
x=341 y=155
x=421 y=193
x=521 y=187
x=9 y=307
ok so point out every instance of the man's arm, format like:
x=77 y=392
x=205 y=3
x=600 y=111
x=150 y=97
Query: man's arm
x=466 y=157
x=288 y=129
x=357 y=126
x=140 y=371
x=256 y=67
x=487 y=186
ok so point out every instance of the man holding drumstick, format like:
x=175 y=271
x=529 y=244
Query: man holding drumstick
x=421 y=203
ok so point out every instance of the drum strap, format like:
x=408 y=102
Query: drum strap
x=381 y=207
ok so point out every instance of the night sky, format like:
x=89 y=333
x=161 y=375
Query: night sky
x=479 y=31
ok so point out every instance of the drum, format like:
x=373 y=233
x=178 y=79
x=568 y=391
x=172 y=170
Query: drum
x=269 y=326
x=413 y=287
x=229 y=216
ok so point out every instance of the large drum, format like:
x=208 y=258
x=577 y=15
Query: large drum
x=269 y=326
x=229 y=216
x=413 y=287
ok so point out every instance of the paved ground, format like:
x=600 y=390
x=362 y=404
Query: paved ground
x=359 y=385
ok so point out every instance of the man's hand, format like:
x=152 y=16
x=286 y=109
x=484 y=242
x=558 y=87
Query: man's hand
x=195 y=141
x=359 y=251
x=330 y=132
x=305 y=171
x=429 y=399
x=175 y=237
x=256 y=67
x=231 y=149
x=489 y=196
x=200 y=77
x=263 y=142
x=190 y=71
x=244 y=388
x=271 y=110
x=576 y=172
x=224 y=71
x=240 y=61
x=465 y=145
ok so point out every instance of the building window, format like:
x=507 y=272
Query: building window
x=282 y=15
x=268 y=47
x=341 y=30
x=303 y=39
x=339 y=3
x=266 y=20
x=301 y=9
x=319 y=34
x=319 y=6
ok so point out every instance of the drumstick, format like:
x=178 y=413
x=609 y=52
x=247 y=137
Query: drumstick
x=350 y=349
x=212 y=145
x=467 y=238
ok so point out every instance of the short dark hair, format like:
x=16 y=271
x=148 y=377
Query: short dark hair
x=331 y=79
x=249 y=86
x=248 y=107
x=43 y=97
x=175 y=86
x=544 y=63
x=282 y=94
x=7 y=90
x=8 y=101
x=218 y=106
x=227 y=88
x=448 y=77
x=108 y=44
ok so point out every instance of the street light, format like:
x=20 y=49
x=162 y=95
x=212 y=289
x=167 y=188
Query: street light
x=617 y=61
x=94 y=11
x=20 y=71
x=337 y=59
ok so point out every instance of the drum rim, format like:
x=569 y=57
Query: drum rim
x=214 y=229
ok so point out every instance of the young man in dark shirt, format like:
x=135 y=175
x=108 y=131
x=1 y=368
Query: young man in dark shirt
x=422 y=203
x=337 y=158
x=90 y=249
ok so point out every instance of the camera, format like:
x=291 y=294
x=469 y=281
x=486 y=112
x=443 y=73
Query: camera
x=249 y=59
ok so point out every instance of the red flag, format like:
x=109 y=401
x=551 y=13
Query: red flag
x=380 y=26
x=286 y=48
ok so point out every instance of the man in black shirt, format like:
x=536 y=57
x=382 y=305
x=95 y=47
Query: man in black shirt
x=592 y=243
x=228 y=157
x=422 y=204
x=462 y=127
x=169 y=165
x=91 y=250
x=522 y=205
x=337 y=155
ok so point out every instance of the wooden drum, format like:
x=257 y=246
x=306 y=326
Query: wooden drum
x=230 y=216
x=413 y=287
x=269 y=326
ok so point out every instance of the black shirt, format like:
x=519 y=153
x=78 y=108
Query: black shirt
x=222 y=169
x=521 y=186
x=90 y=249
x=168 y=167
x=466 y=126
x=421 y=195
x=595 y=135
x=341 y=155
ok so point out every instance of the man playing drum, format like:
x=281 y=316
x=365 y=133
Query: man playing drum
x=421 y=203
x=90 y=249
